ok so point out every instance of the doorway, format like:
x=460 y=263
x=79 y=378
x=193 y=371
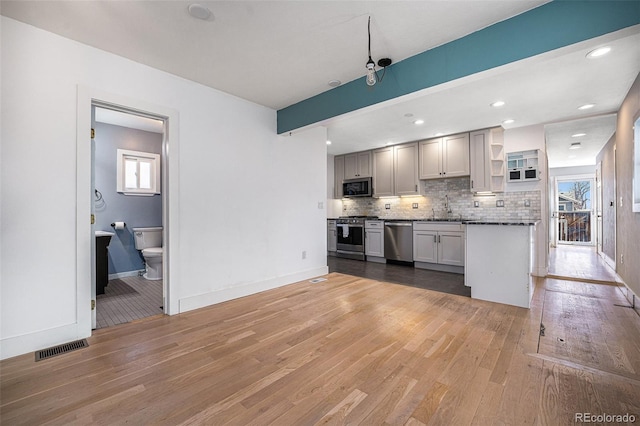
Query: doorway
x=574 y=202
x=85 y=198
x=128 y=196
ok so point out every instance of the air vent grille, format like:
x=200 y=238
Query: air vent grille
x=61 y=349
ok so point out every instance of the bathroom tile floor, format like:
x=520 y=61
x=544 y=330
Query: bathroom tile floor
x=128 y=299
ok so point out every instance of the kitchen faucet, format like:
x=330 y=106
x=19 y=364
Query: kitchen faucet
x=447 y=206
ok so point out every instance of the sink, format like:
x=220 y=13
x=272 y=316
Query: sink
x=104 y=234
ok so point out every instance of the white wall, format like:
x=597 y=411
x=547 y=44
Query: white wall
x=248 y=199
x=525 y=139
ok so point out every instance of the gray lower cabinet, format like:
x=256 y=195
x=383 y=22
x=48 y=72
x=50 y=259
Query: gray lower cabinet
x=439 y=246
x=374 y=240
x=332 y=237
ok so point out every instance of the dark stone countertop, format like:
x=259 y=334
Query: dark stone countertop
x=523 y=222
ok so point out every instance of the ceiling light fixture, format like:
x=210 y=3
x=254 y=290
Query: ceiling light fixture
x=600 y=51
x=586 y=106
x=372 y=75
x=497 y=104
x=334 y=83
x=508 y=121
x=578 y=135
x=418 y=122
x=199 y=11
x=328 y=142
x=575 y=145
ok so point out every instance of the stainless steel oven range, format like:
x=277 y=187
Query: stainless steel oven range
x=351 y=236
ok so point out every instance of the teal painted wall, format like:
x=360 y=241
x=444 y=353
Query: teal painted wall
x=548 y=27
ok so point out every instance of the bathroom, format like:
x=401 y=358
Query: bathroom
x=135 y=287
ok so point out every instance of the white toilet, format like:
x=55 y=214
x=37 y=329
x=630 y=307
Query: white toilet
x=149 y=241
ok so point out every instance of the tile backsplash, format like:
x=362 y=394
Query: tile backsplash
x=461 y=203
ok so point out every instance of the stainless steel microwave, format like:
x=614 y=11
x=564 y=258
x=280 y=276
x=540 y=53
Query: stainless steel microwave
x=359 y=187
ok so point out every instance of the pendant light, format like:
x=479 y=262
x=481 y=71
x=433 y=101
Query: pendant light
x=372 y=74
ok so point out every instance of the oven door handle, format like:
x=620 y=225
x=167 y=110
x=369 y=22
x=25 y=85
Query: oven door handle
x=398 y=224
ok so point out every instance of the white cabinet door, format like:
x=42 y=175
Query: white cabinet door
x=350 y=166
x=364 y=164
x=455 y=155
x=338 y=173
x=357 y=165
x=383 y=182
x=374 y=244
x=406 y=169
x=479 y=149
x=332 y=237
x=430 y=154
x=451 y=248
x=425 y=246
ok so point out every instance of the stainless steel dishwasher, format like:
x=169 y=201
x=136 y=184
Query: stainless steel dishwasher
x=398 y=240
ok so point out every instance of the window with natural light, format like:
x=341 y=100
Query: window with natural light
x=138 y=173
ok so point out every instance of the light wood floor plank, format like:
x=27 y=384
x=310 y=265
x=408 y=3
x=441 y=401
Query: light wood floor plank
x=345 y=351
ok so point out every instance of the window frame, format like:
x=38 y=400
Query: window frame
x=140 y=157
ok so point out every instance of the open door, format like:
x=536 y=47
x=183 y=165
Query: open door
x=599 y=234
x=574 y=211
x=93 y=215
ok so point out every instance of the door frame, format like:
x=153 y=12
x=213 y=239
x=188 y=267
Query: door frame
x=556 y=215
x=85 y=240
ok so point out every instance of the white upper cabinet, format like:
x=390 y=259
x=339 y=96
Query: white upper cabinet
x=395 y=170
x=406 y=169
x=383 y=181
x=444 y=157
x=487 y=161
x=357 y=165
x=338 y=173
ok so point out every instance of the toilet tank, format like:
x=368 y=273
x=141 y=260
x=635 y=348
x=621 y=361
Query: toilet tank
x=147 y=237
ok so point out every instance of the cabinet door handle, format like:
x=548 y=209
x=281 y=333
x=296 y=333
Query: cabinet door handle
x=472 y=184
x=416 y=188
x=438 y=239
x=434 y=239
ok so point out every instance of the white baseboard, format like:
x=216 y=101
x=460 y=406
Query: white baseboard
x=207 y=299
x=540 y=271
x=125 y=274
x=19 y=345
x=609 y=261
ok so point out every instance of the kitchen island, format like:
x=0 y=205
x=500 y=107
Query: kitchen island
x=499 y=261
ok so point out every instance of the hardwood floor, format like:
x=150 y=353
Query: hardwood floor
x=347 y=350
x=580 y=263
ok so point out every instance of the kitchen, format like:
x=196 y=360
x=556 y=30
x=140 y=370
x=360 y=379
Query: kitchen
x=426 y=204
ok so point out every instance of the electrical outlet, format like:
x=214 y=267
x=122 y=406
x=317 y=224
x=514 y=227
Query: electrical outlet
x=622 y=259
x=414 y=205
x=387 y=206
x=620 y=201
x=499 y=203
x=320 y=205
x=304 y=254
x=476 y=204
x=527 y=203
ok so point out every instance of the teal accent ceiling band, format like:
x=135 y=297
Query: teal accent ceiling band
x=545 y=28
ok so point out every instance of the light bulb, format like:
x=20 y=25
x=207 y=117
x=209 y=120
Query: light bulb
x=371 y=72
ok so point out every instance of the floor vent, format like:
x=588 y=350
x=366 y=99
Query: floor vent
x=61 y=349
x=317 y=280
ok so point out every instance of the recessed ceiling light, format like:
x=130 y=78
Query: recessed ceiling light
x=509 y=121
x=578 y=135
x=328 y=142
x=335 y=83
x=199 y=11
x=600 y=51
x=389 y=143
x=586 y=106
x=439 y=134
x=418 y=122
x=497 y=104
x=575 y=145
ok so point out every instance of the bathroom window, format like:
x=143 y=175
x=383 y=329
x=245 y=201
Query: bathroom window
x=138 y=173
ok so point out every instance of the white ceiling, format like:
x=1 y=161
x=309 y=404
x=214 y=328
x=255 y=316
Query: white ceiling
x=277 y=53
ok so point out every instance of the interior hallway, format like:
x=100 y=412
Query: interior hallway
x=581 y=263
